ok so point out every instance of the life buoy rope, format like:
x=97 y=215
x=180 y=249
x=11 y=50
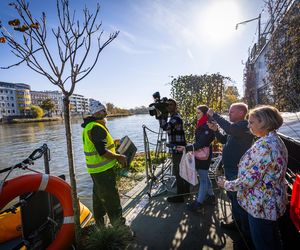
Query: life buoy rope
x=53 y=185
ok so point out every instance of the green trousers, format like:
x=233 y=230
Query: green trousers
x=106 y=199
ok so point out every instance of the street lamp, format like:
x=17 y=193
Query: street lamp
x=250 y=20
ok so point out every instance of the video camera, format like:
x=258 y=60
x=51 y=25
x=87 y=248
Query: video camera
x=159 y=107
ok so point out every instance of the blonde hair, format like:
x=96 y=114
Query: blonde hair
x=269 y=116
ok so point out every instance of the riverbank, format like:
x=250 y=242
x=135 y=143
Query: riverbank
x=50 y=119
x=44 y=119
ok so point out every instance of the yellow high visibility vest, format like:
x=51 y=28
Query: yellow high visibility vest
x=96 y=163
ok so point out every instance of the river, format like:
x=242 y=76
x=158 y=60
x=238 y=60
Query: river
x=17 y=141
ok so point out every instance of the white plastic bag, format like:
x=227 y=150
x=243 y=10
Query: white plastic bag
x=187 y=168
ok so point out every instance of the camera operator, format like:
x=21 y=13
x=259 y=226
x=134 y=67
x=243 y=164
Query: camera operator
x=176 y=137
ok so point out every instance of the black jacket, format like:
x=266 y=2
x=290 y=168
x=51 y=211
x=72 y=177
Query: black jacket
x=203 y=138
x=238 y=139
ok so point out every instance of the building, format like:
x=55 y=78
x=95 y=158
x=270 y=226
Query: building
x=37 y=98
x=15 y=99
x=79 y=104
x=257 y=88
x=23 y=98
x=8 y=104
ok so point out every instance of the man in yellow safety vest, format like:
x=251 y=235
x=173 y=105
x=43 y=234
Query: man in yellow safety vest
x=101 y=157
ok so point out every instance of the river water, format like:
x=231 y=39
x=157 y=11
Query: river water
x=17 y=141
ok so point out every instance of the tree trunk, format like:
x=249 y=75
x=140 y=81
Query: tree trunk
x=72 y=169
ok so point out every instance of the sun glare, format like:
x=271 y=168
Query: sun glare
x=218 y=21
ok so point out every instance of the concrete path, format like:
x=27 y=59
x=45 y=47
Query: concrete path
x=159 y=224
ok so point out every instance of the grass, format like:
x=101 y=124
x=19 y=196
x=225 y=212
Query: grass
x=127 y=178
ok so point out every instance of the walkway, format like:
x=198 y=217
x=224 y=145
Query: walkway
x=159 y=224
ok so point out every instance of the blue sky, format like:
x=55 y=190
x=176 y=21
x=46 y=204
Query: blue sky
x=158 y=39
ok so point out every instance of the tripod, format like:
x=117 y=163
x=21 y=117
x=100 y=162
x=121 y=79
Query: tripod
x=158 y=175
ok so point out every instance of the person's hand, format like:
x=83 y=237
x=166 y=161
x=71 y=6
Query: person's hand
x=213 y=126
x=180 y=148
x=122 y=159
x=221 y=181
x=210 y=112
x=117 y=142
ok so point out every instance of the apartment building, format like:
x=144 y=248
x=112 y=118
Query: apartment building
x=17 y=98
x=79 y=104
x=14 y=99
x=37 y=98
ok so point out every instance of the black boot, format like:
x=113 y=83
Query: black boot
x=229 y=226
x=176 y=199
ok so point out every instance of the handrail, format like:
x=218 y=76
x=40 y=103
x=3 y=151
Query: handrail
x=36 y=154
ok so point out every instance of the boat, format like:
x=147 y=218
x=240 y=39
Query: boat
x=43 y=217
x=36 y=210
x=10 y=223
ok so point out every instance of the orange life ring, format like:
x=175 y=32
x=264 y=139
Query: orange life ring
x=51 y=184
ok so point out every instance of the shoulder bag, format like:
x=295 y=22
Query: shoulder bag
x=201 y=153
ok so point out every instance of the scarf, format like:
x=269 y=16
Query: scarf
x=203 y=120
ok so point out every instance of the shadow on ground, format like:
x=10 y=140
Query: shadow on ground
x=159 y=224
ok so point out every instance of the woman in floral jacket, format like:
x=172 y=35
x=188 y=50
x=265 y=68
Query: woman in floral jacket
x=261 y=186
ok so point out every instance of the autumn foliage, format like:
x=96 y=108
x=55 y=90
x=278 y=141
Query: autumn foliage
x=192 y=90
x=284 y=62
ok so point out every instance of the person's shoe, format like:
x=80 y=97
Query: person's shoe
x=195 y=206
x=211 y=200
x=175 y=199
x=229 y=226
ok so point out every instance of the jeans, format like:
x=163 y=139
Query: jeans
x=205 y=186
x=265 y=234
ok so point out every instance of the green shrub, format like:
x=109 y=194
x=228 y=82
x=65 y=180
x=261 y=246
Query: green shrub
x=138 y=163
x=118 y=237
x=36 y=111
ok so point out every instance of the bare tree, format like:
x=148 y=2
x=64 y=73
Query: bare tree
x=68 y=64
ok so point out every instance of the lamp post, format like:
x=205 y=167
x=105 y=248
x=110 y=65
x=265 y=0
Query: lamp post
x=250 y=20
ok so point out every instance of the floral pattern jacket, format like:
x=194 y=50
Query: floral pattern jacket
x=261 y=186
